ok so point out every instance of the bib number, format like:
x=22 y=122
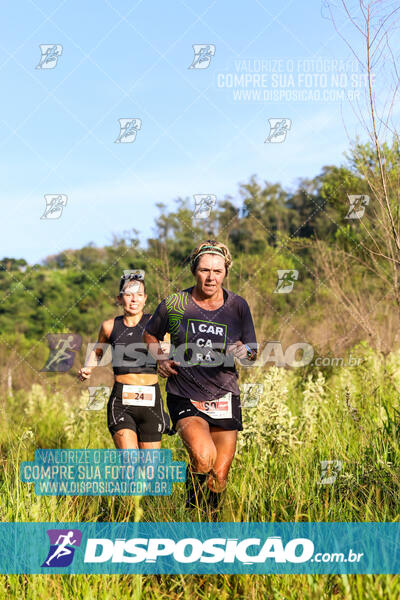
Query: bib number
x=138 y=395
x=216 y=409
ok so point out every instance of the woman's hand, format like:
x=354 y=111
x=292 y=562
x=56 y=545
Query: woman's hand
x=165 y=368
x=165 y=347
x=84 y=373
x=238 y=350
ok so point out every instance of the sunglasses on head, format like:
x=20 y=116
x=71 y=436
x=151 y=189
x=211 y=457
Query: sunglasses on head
x=131 y=276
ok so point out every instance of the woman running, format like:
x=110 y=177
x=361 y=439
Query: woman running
x=209 y=326
x=135 y=414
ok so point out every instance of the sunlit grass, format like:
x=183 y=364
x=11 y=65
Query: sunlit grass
x=351 y=416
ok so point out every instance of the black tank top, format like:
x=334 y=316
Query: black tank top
x=128 y=347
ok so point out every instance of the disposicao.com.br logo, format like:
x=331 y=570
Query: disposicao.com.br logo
x=188 y=550
x=212 y=550
x=199 y=547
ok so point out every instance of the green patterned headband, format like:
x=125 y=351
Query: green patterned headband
x=208 y=250
x=212 y=250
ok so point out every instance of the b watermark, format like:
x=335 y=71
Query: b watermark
x=128 y=130
x=278 y=129
x=203 y=204
x=98 y=397
x=55 y=204
x=250 y=394
x=286 y=281
x=329 y=471
x=50 y=53
x=203 y=54
x=358 y=203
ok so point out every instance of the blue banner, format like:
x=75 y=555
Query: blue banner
x=200 y=548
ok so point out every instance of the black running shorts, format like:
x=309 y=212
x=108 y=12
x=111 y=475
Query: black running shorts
x=180 y=407
x=148 y=422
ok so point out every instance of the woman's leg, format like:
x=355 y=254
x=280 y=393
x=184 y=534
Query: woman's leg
x=225 y=444
x=150 y=445
x=125 y=439
x=195 y=434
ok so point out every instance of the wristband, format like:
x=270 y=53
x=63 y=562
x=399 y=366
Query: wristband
x=251 y=354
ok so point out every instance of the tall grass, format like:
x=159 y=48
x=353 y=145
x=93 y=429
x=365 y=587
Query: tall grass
x=349 y=415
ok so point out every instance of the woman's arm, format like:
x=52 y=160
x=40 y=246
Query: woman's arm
x=165 y=366
x=246 y=347
x=96 y=354
x=166 y=343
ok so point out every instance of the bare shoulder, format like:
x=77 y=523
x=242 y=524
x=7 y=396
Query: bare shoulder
x=107 y=327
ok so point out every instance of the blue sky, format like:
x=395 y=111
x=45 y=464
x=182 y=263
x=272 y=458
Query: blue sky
x=130 y=60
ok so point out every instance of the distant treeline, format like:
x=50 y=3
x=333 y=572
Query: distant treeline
x=266 y=228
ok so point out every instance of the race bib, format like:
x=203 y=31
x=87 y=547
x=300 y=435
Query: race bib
x=216 y=409
x=138 y=395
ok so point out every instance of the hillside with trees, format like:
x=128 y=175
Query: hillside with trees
x=347 y=288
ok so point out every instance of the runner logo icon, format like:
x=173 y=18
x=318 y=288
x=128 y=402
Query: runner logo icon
x=50 y=53
x=203 y=54
x=62 y=351
x=278 y=129
x=128 y=130
x=63 y=543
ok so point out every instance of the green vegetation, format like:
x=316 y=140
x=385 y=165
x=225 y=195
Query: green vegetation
x=351 y=416
x=346 y=299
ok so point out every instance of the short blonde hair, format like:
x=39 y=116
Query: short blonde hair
x=211 y=247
